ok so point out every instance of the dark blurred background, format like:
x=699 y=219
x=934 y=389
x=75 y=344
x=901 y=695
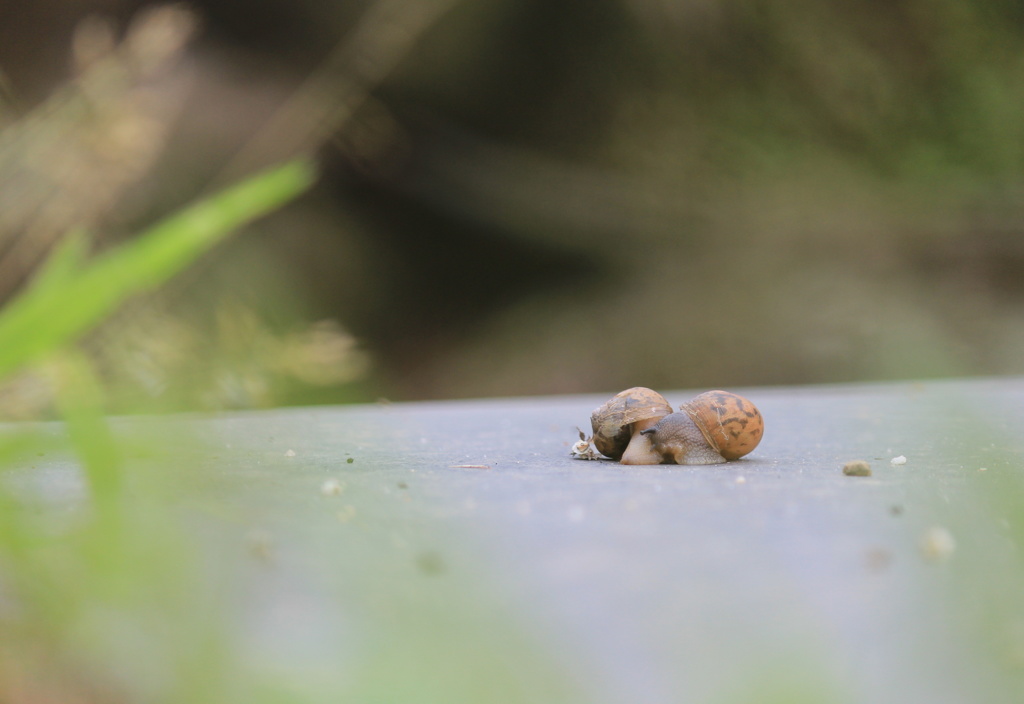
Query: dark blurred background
x=554 y=196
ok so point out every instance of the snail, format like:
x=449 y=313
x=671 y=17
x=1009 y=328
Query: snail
x=619 y=422
x=716 y=426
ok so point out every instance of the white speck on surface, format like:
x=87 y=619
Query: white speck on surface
x=741 y=479
x=332 y=487
x=898 y=460
x=576 y=513
x=290 y=453
x=937 y=544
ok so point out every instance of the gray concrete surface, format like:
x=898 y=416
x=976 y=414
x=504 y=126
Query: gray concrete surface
x=454 y=552
x=526 y=575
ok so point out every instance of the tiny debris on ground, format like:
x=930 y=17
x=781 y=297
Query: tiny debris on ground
x=896 y=461
x=260 y=545
x=584 y=449
x=332 y=487
x=430 y=563
x=937 y=544
x=857 y=468
x=877 y=559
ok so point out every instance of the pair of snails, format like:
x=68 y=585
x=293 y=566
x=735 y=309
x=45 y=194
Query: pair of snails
x=638 y=426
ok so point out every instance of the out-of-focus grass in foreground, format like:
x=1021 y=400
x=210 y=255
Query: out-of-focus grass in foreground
x=97 y=592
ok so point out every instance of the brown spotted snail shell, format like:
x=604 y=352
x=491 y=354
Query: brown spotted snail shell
x=716 y=426
x=618 y=423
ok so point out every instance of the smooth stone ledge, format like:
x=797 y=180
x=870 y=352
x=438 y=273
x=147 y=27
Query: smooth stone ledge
x=460 y=537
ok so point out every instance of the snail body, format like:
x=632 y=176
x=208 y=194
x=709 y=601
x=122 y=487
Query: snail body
x=714 y=427
x=676 y=439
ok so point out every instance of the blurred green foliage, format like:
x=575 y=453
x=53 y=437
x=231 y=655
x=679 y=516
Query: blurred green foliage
x=696 y=194
x=70 y=297
x=118 y=571
x=98 y=584
x=508 y=184
x=79 y=162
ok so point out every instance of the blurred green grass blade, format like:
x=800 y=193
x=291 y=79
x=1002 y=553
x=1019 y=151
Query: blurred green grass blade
x=68 y=303
x=80 y=400
x=67 y=259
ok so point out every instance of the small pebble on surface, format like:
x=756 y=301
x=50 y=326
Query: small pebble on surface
x=937 y=544
x=857 y=468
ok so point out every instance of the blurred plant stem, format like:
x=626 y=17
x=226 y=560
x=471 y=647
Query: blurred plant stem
x=67 y=163
x=325 y=101
x=80 y=401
